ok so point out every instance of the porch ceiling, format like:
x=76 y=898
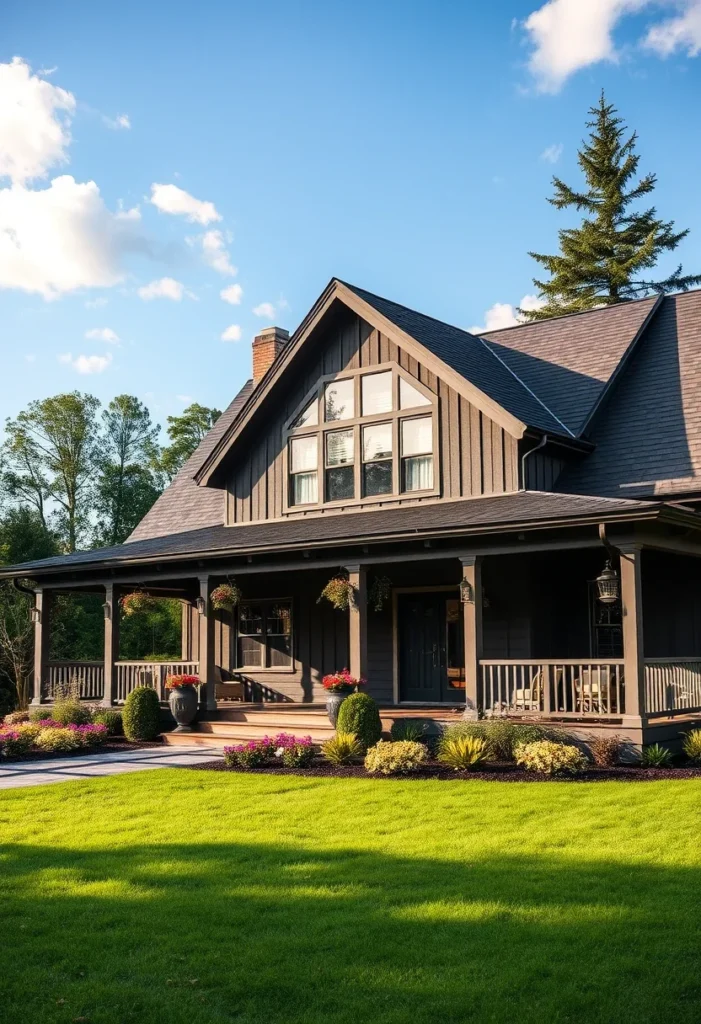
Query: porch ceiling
x=504 y=513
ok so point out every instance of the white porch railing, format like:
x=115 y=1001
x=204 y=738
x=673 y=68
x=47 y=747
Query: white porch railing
x=131 y=674
x=672 y=684
x=563 y=687
x=89 y=675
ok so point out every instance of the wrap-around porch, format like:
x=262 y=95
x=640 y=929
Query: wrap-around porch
x=517 y=635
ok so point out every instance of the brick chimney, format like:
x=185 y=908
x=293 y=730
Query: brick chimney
x=267 y=346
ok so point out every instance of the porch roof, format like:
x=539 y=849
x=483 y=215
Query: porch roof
x=498 y=513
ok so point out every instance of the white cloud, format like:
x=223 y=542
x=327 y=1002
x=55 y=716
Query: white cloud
x=215 y=254
x=35 y=119
x=121 y=121
x=61 y=238
x=86 y=364
x=680 y=33
x=503 y=314
x=551 y=154
x=102 y=334
x=568 y=35
x=266 y=309
x=233 y=294
x=185 y=399
x=97 y=303
x=232 y=333
x=171 y=199
x=165 y=288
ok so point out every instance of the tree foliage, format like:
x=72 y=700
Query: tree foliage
x=127 y=482
x=606 y=259
x=185 y=433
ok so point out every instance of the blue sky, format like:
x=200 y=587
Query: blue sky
x=407 y=148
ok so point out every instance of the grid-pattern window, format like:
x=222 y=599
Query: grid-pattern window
x=363 y=436
x=264 y=634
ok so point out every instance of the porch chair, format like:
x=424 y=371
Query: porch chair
x=227 y=689
x=595 y=691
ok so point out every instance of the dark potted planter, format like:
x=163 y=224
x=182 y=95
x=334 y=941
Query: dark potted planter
x=182 y=697
x=338 y=685
x=334 y=699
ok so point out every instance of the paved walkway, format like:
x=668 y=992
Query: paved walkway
x=61 y=769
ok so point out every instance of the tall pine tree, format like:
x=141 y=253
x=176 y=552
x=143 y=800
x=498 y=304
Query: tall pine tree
x=604 y=260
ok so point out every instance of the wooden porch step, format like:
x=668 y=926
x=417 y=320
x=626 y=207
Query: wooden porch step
x=232 y=731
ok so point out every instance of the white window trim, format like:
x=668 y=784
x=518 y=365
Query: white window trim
x=356 y=423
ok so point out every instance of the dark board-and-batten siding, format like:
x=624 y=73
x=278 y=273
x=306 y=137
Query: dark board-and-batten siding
x=476 y=456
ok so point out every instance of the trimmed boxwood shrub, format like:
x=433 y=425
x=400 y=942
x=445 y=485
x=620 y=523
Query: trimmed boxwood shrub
x=359 y=714
x=141 y=714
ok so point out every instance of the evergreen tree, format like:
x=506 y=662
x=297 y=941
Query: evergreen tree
x=604 y=260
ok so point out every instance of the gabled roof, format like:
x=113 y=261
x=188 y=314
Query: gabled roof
x=184 y=506
x=648 y=434
x=465 y=362
x=473 y=359
x=569 y=361
x=494 y=514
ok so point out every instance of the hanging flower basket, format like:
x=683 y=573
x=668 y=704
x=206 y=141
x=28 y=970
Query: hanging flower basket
x=379 y=592
x=136 y=602
x=225 y=597
x=339 y=592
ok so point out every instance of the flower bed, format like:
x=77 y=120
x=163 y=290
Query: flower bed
x=48 y=732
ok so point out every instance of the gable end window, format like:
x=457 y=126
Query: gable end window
x=360 y=436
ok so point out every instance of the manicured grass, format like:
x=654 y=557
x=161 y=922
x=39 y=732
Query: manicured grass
x=182 y=897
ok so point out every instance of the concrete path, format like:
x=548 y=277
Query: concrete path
x=61 y=769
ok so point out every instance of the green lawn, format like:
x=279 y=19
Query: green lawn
x=181 y=897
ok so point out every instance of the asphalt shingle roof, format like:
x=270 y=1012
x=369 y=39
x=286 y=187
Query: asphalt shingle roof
x=184 y=505
x=501 y=511
x=568 y=360
x=471 y=357
x=648 y=435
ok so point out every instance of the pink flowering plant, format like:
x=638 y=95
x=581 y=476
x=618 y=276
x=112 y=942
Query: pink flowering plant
x=291 y=751
x=174 y=682
x=254 y=754
x=294 y=751
x=342 y=682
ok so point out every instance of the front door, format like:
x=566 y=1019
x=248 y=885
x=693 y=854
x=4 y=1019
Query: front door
x=429 y=638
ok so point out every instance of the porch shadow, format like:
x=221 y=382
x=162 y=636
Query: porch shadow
x=210 y=933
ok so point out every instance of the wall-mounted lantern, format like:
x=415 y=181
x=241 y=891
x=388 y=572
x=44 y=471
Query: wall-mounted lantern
x=35 y=614
x=200 y=605
x=107 y=609
x=608 y=585
x=467 y=593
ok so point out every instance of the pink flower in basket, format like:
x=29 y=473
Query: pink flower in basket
x=342 y=682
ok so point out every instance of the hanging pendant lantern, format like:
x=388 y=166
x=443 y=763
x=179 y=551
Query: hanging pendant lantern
x=608 y=585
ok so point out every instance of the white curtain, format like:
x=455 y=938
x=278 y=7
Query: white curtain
x=418 y=473
x=306 y=488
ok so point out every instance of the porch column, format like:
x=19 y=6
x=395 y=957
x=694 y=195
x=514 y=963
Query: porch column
x=42 y=634
x=208 y=700
x=358 y=621
x=111 y=652
x=633 y=656
x=471 y=594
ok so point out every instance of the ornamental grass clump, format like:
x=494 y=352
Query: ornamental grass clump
x=141 y=717
x=343 y=748
x=359 y=714
x=691 y=746
x=398 y=758
x=656 y=756
x=408 y=729
x=68 y=709
x=461 y=752
x=550 y=758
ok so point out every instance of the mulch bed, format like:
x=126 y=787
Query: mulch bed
x=491 y=773
x=115 y=745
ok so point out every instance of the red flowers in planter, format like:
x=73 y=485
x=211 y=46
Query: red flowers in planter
x=175 y=682
x=341 y=682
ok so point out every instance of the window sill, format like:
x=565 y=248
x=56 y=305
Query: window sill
x=375 y=499
x=258 y=671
